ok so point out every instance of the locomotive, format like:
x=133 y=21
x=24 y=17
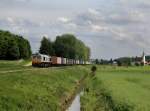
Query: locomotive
x=41 y=60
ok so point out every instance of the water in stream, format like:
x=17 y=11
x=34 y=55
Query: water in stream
x=75 y=106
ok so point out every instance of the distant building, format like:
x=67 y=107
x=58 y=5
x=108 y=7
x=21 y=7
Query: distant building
x=114 y=63
x=92 y=61
x=144 y=59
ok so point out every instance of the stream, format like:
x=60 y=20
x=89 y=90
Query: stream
x=75 y=106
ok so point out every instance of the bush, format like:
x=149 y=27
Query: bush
x=94 y=68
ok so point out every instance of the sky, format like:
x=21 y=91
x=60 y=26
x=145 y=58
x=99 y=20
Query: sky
x=111 y=28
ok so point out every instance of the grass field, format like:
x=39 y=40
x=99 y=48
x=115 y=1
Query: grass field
x=45 y=89
x=13 y=65
x=36 y=89
x=118 y=89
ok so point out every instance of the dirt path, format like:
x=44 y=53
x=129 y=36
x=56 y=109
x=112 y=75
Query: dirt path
x=20 y=70
x=11 y=71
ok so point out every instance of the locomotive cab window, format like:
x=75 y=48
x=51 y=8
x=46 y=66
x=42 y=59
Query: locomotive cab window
x=44 y=58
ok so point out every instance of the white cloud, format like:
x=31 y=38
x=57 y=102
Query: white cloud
x=98 y=28
x=11 y=21
x=63 y=19
x=120 y=35
x=72 y=25
x=137 y=16
x=93 y=11
x=20 y=30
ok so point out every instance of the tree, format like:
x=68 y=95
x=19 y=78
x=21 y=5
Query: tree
x=13 y=50
x=46 y=47
x=3 y=47
x=124 y=61
x=111 y=61
x=67 y=45
x=97 y=61
x=24 y=47
x=13 y=46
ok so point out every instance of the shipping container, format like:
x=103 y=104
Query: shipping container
x=63 y=61
x=81 y=62
x=56 y=60
x=77 y=61
x=69 y=61
x=74 y=61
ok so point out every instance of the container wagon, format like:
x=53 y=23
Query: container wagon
x=64 y=61
x=56 y=60
x=81 y=62
x=77 y=62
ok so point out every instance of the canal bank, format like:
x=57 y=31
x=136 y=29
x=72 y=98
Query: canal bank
x=72 y=102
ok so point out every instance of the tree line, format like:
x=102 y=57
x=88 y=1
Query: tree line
x=13 y=47
x=123 y=61
x=67 y=46
x=131 y=61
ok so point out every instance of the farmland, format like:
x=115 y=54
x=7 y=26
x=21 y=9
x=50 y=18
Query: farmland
x=118 y=89
x=36 y=89
x=50 y=89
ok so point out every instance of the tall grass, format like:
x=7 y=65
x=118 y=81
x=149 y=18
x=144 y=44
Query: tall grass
x=119 y=89
x=13 y=65
x=38 y=89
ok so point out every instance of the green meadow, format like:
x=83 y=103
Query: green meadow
x=37 y=89
x=118 y=89
x=49 y=89
x=13 y=65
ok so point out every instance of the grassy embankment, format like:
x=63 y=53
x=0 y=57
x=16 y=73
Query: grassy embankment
x=118 y=89
x=37 y=89
x=13 y=65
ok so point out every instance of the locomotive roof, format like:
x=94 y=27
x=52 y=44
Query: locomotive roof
x=38 y=54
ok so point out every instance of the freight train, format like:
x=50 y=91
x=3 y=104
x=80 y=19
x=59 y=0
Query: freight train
x=41 y=60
